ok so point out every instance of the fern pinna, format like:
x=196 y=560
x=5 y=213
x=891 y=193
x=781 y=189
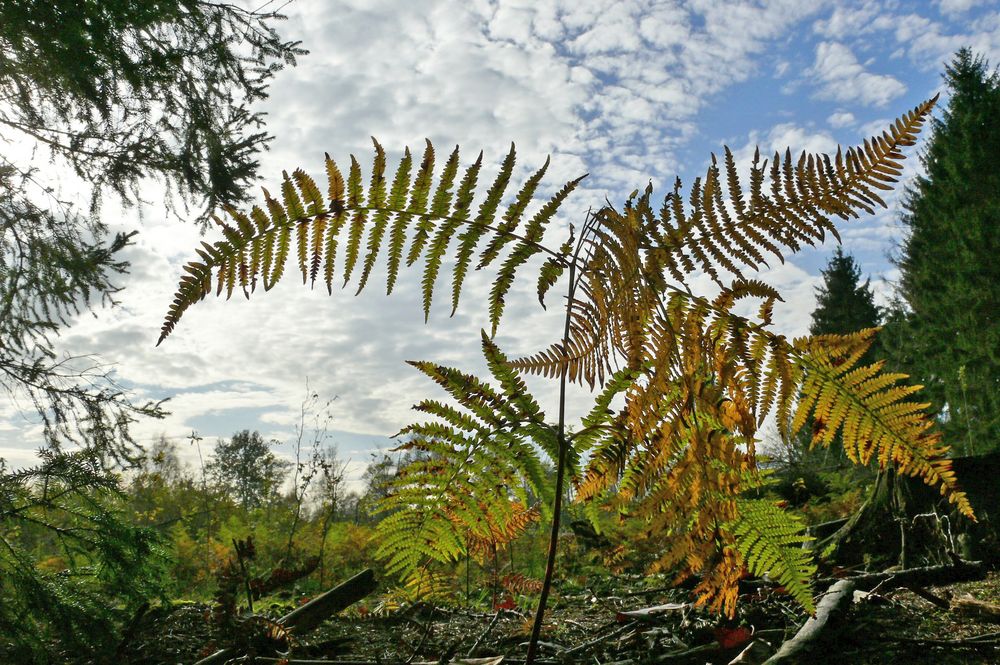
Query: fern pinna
x=684 y=382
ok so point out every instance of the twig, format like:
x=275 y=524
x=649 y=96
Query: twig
x=986 y=640
x=420 y=644
x=928 y=596
x=482 y=636
x=597 y=640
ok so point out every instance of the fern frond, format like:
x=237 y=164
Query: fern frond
x=483 y=544
x=635 y=253
x=477 y=469
x=257 y=247
x=871 y=412
x=802 y=194
x=685 y=448
x=470 y=237
x=770 y=540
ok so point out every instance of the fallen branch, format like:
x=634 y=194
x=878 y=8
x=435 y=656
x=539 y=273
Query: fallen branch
x=305 y=618
x=829 y=611
x=975 y=642
x=928 y=596
x=961 y=571
x=969 y=606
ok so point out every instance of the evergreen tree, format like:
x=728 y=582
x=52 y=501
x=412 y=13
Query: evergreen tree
x=945 y=328
x=843 y=303
x=116 y=92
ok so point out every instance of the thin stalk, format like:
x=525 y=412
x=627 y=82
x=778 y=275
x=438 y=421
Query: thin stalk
x=550 y=562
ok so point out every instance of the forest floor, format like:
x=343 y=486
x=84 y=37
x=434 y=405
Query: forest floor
x=587 y=625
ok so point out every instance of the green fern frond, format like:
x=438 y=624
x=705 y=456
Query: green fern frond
x=418 y=201
x=439 y=245
x=478 y=467
x=256 y=249
x=772 y=541
x=470 y=237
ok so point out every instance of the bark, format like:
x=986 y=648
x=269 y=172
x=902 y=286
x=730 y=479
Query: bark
x=908 y=522
x=305 y=618
x=830 y=610
x=961 y=571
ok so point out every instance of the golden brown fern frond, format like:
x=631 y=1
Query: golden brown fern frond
x=632 y=255
x=687 y=448
x=872 y=413
x=787 y=204
x=612 y=300
x=680 y=466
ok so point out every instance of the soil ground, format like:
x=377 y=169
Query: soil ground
x=585 y=626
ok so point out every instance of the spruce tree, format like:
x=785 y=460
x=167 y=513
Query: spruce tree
x=945 y=328
x=843 y=303
x=116 y=92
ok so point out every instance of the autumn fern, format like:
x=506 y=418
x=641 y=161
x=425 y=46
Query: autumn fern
x=684 y=382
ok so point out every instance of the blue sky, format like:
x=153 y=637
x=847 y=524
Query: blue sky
x=628 y=91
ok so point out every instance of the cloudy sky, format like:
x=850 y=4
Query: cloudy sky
x=628 y=91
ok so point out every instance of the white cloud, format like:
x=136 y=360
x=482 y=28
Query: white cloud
x=959 y=6
x=873 y=128
x=841 y=119
x=930 y=43
x=784 y=136
x=843 y=79
x=851 y=19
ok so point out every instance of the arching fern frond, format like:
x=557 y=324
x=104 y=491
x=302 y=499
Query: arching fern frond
x=697 y=380
x=872 y=413
x=256 y=246
x=787 y=204
x=633 y=255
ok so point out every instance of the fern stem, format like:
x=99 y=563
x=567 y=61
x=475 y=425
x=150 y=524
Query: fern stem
x=563 y=444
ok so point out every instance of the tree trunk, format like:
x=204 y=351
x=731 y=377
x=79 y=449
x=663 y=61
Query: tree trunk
x=903 y=522
x=871 y=535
